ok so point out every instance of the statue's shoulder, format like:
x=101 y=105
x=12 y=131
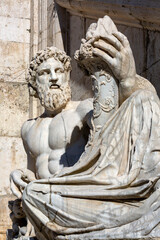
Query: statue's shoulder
x=84 y=108
x=80 y=108
x=26 y=127
x=85 y=105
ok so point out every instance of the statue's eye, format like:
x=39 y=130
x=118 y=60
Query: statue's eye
x=44 y=72
x=59 y=70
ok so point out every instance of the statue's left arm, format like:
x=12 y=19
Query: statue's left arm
x=115 y=50
x=85 y=111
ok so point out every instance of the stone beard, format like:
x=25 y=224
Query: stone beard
x=53 y=99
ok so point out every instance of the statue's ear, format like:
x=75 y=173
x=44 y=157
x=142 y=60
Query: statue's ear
x=32 y=91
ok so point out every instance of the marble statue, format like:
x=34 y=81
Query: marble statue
x=57 y=138
x=113 y=190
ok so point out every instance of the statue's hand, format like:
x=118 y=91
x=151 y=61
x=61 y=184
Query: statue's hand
x=116 y=52
x=19 y=180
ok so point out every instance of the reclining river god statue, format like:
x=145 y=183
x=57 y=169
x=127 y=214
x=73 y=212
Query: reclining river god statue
x=112 y=191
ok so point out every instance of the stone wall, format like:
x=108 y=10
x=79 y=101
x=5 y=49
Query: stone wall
x=64 y=28
x=14 y=99
x=131 y=19
x=144 y=42
x=27 y=26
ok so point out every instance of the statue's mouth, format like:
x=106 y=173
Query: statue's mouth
x=54 y=86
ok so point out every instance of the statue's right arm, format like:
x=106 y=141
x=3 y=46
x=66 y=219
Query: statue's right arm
x=19 y=178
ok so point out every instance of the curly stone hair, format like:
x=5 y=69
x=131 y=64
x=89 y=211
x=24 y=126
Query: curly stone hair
x=40 y=57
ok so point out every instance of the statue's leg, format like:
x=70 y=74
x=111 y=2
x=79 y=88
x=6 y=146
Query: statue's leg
x=35 y=198
x=51 y=213
x=69 y=221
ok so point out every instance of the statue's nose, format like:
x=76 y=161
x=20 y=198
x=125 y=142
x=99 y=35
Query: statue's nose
x=53 y=76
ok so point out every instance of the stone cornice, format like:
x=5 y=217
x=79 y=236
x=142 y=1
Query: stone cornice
x=137 y=13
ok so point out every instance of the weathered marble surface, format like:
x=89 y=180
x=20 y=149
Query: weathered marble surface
x=112 y=192
x=14 y=99
x=57 y=138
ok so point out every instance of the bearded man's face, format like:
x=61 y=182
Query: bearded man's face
x=52 y=84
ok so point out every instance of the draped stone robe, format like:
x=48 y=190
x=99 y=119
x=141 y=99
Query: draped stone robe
x=112 y=192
